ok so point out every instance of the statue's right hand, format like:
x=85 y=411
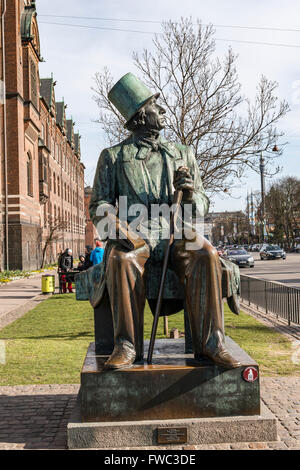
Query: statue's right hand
x=119 y=231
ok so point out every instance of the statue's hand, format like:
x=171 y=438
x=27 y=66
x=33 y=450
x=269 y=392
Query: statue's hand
x=183 y=181
x=119 y=231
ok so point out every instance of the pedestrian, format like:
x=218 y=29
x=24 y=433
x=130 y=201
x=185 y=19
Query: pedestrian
x=80 y=266
x=66 y=264
x=59 y=258
x=87 y=261
x=97 y=254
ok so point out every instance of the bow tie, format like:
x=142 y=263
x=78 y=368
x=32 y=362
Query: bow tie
x=155 y=145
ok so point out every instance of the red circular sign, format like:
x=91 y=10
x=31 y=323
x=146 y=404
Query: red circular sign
x=250 y=374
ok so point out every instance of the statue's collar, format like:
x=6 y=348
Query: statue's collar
x=143 y=145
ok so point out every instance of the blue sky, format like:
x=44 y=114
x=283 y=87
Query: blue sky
x=75 y=54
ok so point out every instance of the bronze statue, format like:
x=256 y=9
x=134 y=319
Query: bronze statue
x=147 y=169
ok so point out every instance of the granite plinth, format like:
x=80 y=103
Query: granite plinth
x=174 y=386
x=198 y=431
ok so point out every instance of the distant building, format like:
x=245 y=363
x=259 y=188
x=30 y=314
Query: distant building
x=45 y=177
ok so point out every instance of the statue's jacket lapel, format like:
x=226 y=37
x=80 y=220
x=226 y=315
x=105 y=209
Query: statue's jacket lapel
x=133 y=157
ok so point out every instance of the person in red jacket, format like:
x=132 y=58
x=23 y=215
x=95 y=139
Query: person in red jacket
x=65 y=265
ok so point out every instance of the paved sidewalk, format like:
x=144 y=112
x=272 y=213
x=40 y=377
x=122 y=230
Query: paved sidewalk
x=20 y=296
x=36 y=416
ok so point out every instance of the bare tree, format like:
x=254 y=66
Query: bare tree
x=204 y=104
x=283 y=209
x=55 y=229
x=231 y=226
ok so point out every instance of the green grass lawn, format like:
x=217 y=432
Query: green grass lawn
x=49 y=343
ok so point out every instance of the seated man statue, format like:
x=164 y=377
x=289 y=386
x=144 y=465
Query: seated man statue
x=147 y=169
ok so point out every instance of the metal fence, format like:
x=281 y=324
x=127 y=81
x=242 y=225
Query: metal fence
x=273 y=297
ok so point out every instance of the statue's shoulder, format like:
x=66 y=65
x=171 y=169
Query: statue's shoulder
x=176 y=145
x=115 y=151
x=185 y=151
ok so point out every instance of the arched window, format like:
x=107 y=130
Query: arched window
x=29 y=175
x=58 y=186
x=54 y=183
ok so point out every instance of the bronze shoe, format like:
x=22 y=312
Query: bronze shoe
x=223 y=358
x=122 y=357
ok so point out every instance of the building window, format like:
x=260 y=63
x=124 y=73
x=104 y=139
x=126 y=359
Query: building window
x=54 y=183
x=29 y=175
x=45 y=214
x=45 y=170
x=58 y=186
x=43 y=133
x=33 y=76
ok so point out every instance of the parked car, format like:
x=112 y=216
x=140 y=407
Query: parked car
x=255 y=247
x=240 y=257
x=272 y=252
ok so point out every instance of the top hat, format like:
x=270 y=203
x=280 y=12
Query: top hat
x=129 y=94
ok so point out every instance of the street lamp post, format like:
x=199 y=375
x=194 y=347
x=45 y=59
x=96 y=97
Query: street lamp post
x=263 y=208
x=262 y=185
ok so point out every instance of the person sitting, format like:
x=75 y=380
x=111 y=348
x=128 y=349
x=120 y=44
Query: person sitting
x=97 y=254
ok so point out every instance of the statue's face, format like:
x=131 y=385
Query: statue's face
x=154 y=118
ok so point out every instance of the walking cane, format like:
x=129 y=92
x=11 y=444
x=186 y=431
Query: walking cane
x=176 y=202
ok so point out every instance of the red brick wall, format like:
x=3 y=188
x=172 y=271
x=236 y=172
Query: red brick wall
x=25 y=115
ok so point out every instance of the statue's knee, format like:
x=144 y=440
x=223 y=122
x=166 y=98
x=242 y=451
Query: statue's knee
x=117 y=257
x=208 y=252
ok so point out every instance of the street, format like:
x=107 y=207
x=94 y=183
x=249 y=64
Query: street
x=285 y=271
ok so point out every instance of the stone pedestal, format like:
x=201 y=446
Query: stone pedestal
x=175 y=399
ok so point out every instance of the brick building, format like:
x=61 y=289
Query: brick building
x=2 y=143
x=45 y=177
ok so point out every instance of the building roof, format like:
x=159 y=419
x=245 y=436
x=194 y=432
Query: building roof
x=60 y=114
x=70 y=131
x=77 y=144
x=46 y=90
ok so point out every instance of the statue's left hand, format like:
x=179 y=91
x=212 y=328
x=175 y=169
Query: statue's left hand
x=183 y=181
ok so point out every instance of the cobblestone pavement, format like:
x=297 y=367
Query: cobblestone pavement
x=36 y=416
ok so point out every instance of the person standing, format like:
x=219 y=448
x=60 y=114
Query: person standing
x=97 y=254
x=87 y=261
x=65 y=265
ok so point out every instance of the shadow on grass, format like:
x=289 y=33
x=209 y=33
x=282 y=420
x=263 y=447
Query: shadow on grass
x=249 y=327
x=69 y=336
